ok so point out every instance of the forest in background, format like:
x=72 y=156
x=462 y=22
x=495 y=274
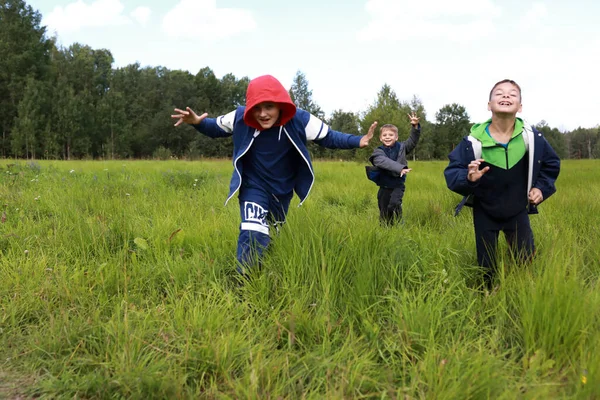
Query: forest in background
x=72 y=103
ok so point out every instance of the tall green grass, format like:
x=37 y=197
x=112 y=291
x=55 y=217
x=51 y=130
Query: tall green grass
x=117 y=281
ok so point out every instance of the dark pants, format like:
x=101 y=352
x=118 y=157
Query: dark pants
x=390 y=204
x=517 y=232
x=258 y=210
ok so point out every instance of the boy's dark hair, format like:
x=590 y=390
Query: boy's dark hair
x=507 y=81
x=390 y=127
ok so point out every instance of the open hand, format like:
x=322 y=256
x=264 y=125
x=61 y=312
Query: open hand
x=188 y=116
x=405 y=171
x=535 y=196
x=414 y=119
x=364 y=141
x=475 y=173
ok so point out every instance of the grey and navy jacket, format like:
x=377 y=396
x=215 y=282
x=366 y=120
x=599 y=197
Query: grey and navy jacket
x=528 y=161
x=390 y=167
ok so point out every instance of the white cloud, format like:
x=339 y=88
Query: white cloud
x=141 y=15
x=201 y=19
x=535 y=14
x=406 y=19
x=79 y=14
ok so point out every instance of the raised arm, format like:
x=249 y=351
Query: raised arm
x=415 y=133
x=221 y=126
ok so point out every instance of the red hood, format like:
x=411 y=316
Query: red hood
x=267 y=88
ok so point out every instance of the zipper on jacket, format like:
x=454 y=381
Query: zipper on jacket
x=236 y=168
x=307 y=164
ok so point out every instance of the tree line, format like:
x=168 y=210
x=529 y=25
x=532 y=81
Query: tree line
x=71 y=103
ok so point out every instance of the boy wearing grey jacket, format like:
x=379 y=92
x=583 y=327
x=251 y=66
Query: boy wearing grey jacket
x=390 y=160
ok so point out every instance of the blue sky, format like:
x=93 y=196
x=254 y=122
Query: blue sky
x=442 y=51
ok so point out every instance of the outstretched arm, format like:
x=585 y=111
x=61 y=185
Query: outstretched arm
x=212 y=127
x=319 y=132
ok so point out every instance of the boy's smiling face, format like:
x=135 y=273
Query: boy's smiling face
x=388 y=137
x=266 y=114
x=505 y=99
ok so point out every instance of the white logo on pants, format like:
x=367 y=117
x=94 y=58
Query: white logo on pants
x=255 y=218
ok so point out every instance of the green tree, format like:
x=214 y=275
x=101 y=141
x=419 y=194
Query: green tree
x=29 y=122
x=387 y=109
x=582 y=142
x=452 y=123
x=302 y=96
x=81 y=79
x=557 y=140
x=115 y=124
x=24 y=51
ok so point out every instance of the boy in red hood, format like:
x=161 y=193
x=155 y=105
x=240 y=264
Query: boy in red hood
x=270 y=157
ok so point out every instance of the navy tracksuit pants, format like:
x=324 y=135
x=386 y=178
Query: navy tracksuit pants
x=389 y=201
x=518 y=234
x=259 y=210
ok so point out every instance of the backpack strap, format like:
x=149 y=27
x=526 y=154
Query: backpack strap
x=528 y=139
x=528 y=132
x=476 y=144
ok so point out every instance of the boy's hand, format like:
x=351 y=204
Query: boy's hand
x=364 y=141
x=535 y=196
x=405 y=171
x=475 y=173
x=414 y=119
x=188 y=116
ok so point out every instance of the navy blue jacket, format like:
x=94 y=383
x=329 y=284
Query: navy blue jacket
x=299 y=129
x=543 y=169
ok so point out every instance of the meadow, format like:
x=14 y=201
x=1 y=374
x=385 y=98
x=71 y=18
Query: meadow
x=117 y=281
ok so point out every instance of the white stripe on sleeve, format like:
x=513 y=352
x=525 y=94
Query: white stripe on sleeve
x=315 y=129
x=225 y=122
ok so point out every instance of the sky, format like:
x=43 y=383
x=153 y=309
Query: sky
x=442 y=51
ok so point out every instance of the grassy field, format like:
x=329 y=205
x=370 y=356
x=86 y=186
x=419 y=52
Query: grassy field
x=116 y=281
